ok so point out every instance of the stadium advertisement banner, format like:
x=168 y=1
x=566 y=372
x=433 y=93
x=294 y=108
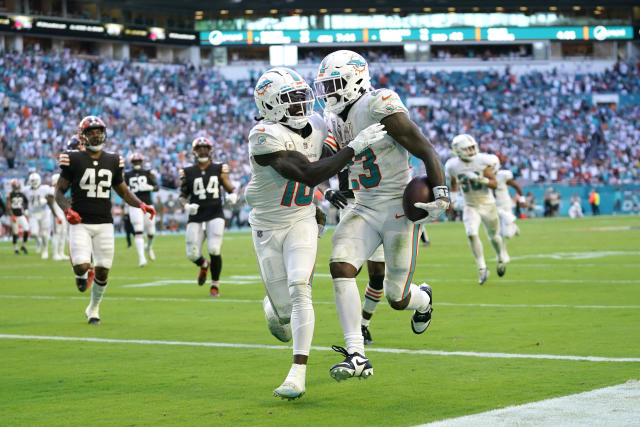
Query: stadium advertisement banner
x=400 y=35
x=56 y=27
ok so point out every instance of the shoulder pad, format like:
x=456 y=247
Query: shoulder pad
x=384 y=102
x=265 y=138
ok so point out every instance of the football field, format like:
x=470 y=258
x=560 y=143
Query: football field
x=565 y=319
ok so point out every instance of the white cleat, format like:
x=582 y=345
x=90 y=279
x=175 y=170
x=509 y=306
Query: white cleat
x=289 y=391
x=483 y=275
x=278 y=330
x=502 y=268
x=57 y=257
x=93 y=317
x=142 y=263
x=45 y=255
x=354 y=365
x=151 y=255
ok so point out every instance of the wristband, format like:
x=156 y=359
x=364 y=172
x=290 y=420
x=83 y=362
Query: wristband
x=440 y=192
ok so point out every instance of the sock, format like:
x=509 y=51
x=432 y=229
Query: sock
x=302 y=317
x=96 y=296
x=297 y=375
x=15 y=241
x=371 y=299
x=25 y=237
x=139 y=241
x=418 y=300
x=216 y=267
x=476 y=249
x=348 y=307
x=149 y=241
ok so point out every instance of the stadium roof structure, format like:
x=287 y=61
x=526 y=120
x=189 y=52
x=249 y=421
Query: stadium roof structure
x=332 y=6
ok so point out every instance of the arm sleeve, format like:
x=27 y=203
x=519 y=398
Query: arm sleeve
x=64 y=162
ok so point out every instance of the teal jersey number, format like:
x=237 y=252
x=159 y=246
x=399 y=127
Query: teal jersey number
x=303 y=194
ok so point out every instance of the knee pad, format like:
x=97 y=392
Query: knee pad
x=193 y=253
x=214 y=249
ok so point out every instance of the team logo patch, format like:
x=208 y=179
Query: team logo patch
x=389 y=107
x=262 y=139
x=259 y=233
x=305 y=145
x=357 y=64
x=262 y=87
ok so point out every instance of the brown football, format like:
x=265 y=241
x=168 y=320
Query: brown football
x=417 y=190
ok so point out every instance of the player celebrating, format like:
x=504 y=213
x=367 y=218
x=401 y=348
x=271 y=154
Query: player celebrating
x=475 y=173
x=285 y=149
x=91 y=174
x=142 y=182
x=17 y=206
x=378 y=178
x=508 y=227
x=41 y=206
x=201 y=198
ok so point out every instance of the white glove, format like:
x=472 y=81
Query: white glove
x=435 y=209
x=145 y=187
x=476 y=177
x=191 y=208
x=338 y=128
x=366 y=137
x=231 y=198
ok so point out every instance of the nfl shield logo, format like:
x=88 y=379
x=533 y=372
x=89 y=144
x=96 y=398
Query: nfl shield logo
x=305 y=145
x=259 y=233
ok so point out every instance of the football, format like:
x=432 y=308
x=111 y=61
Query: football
x=417 y=190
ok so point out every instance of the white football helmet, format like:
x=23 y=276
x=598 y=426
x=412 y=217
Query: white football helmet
x=34 y=180
x=464 y=146
x=342 y=77
x=282 y=95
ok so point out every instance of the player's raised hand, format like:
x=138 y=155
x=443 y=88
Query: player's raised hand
x=148 y=209
x=336 y=198
x=367 y=136
x=231 y=198
x=435 y=210
x=73 y=217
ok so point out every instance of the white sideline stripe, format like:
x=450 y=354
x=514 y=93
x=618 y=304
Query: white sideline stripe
x=376 y=350
x=611 y=406
x=251 y=301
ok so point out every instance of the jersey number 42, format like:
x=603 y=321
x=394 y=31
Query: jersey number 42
x=101 y=188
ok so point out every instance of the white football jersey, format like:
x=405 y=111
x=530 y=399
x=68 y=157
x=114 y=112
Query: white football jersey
x=382 y=171
x=277 y=202
x=503 y=199
x=474 y=193
x=38 y=198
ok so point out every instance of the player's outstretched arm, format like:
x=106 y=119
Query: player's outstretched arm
x=515 y=186
x=400 y=127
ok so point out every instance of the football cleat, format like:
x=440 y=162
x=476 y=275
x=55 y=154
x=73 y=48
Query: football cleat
x=24 y=249
x=16 y=251
x=214 y=291
x=420 y=321
x=502 y=268
x=354 y=365
x=142 y=263
x=277 y=329
x=81 y=283
x=366 y=335
x=93 y=317
x=45 y=254
x=483 y=275
x=151 y=255
x=202 y=276
x=289 y=391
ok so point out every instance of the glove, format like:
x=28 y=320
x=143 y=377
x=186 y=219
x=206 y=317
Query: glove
x=145 y=187
x=366 y=137
x=336 y=198
x=73 y=217
x=435 y=210
x=147 y=209
x=191 y=208
x=321 y=219
x=232 y=198
x=476 y=177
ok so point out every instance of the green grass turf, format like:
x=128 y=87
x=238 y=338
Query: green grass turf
x=595 y=262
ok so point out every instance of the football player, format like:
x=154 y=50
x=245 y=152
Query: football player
x=91 y=174
x=343 y=199
x=285 y=148
x=508 y=227
x=60 y=227
x=474 y=173
x=378 y=177
x=201 y=198
x=17 y=205
x=41 y=207
x=142 y=182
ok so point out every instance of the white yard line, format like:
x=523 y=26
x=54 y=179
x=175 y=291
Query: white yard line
x=252 y=301
x=371 y=350
x=611 y=406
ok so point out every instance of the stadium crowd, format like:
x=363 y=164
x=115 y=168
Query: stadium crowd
x=541 y=124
